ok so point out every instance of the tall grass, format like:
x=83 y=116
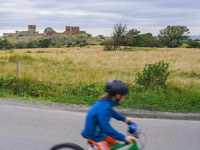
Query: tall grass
x=78 y=75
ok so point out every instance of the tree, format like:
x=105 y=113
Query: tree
x=131 y=37
x=49 y=29
x=101 y=36
x=5 y=44
x=142 y=38
x=119 y=35
x=173 y=36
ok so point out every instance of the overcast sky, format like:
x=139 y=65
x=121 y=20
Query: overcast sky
x=98 y=17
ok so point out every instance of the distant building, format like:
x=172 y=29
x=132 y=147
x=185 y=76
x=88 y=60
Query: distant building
x=31 y=31
x=48 y=31
x=73 y=30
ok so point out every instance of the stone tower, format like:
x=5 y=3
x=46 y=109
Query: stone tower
x=32 y=29
x=71 y=30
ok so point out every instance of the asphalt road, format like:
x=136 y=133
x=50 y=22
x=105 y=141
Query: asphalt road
x=29 y=128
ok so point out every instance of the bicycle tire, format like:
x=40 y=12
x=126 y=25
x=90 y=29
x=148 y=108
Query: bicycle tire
x=68 y=145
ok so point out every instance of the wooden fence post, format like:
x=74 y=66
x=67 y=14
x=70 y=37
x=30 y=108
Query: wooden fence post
x=17 y=69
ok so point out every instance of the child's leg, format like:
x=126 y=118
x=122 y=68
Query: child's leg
x=106 y=143
x=111 y=142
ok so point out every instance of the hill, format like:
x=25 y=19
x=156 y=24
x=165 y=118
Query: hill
x=59 y=40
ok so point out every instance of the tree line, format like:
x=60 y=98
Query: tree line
x=171 y=36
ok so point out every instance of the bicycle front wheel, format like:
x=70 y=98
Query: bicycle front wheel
x=66 y=146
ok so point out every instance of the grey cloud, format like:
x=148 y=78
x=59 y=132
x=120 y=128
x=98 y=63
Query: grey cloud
x=99 y=14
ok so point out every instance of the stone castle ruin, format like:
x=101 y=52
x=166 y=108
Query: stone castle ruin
x=31 y=31
x=48 y=31
x=68 y=30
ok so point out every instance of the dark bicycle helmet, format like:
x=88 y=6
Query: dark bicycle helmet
x=115 y=86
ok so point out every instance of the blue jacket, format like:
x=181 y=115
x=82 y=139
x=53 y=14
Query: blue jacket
x=97 y=125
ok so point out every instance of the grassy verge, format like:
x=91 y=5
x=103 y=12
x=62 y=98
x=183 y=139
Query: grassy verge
x=174 y=100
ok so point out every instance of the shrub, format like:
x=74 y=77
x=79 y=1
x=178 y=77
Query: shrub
x=44 y=43
x=83 y=43
x=4 y=44
x=108 y=45
x=31 y=44
x=20 y=45
x=154 y=75
x=193 y=44
x=152 y=42
x=101 y=36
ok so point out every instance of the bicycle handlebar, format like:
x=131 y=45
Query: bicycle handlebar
x=132 y=129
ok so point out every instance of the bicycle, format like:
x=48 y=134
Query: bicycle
x=132 y=130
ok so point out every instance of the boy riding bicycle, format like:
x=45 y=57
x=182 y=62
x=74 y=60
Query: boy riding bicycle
x=97 y=127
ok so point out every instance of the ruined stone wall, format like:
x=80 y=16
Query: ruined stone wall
x=4 y=34
x=32 y=29
x=75 y=30
x=50 y=33
x=71 y=30
x=82 y=32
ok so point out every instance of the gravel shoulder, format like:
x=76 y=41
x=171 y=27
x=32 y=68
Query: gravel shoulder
x=136 y=113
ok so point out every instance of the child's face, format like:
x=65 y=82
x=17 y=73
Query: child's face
x=120 y=97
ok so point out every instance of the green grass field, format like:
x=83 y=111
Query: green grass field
x=78 y=75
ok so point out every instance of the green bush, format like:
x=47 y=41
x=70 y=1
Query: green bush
x=193 y=44
x=44 y=43
x=4 y=44
x=108 y=45
x=83 y=43
x=20 y=45
x=154 y=75
x=152 y=42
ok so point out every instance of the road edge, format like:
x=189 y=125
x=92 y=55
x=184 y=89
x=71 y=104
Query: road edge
x=136 y=113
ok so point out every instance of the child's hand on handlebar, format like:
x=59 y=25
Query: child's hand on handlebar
x=128 y=120
x=130 y=138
